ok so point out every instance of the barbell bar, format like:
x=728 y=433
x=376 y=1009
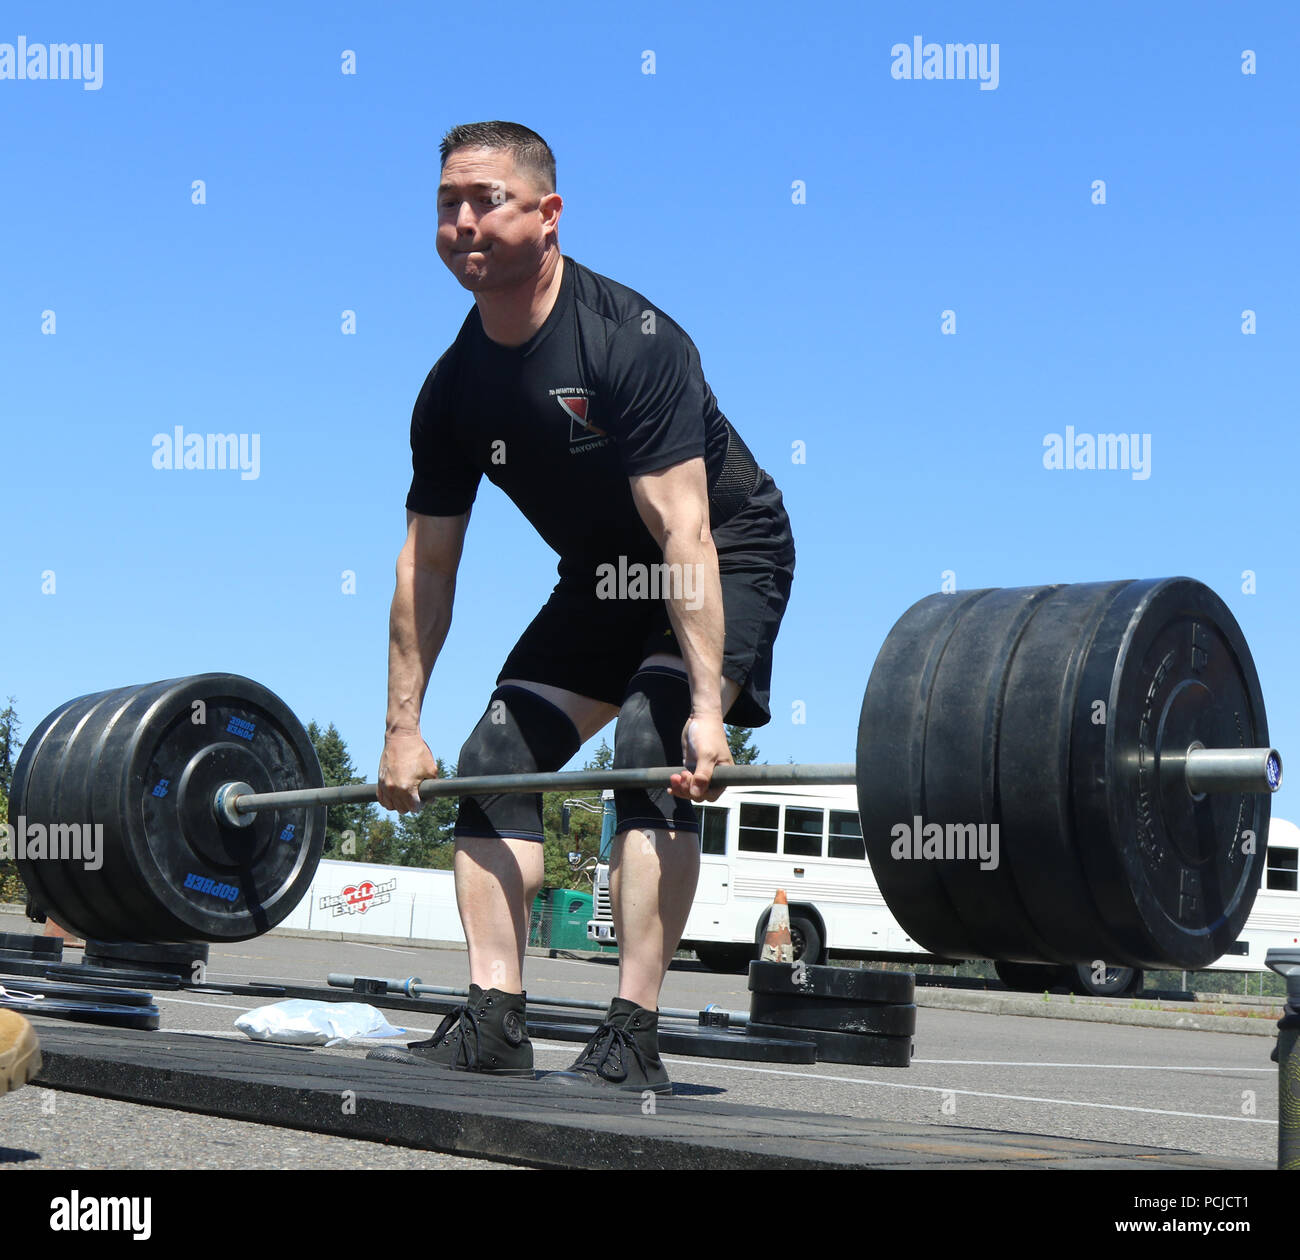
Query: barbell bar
x=413 y=987
x=1205 y=769
x=1101 y=749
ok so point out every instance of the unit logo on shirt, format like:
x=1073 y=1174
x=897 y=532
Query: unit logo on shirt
x=582 y=432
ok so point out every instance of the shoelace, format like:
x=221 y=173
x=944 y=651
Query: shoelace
x=613 y=1036
x=13 y=995
x=467 y=1022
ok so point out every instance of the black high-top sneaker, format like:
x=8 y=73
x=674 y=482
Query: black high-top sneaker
x=624 y=1054
x=487 y=1034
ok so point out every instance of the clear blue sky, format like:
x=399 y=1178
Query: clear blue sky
x=819 y=322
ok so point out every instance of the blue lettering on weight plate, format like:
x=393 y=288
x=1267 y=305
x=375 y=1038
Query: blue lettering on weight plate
x=201 y=883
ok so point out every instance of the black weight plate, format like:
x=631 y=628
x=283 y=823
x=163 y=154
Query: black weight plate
x=136 y=763
x=840 y=983
x=116 y=895
x=835 y=1047
x=959 y=819
x=47 y=792
x=874 y=1018
x=112 y=975
x=214 y=881
x=148 y=951
x=130 y=955
x=144 y=1017
x=773 y=1046
x=22 y=954
x=76 y=993
x=1170 y=871
x=18 y=966
x=768 y=1045
x=128 y=966
x=891 y=762
x=34 y=946
x=1039 y=847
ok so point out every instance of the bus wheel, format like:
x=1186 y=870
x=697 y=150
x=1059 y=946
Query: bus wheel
x=806 y=941
x=729 y=959
x=1117 y=981
x=1033 y=977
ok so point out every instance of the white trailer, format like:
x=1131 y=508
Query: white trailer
x=808 y=841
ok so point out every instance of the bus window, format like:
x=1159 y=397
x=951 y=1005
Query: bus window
x=803 y=831
x=846 y=835
x=713 y=831
x=1281 y=869
x=758 y=828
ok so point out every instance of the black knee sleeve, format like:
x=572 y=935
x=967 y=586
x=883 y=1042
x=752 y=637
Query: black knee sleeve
x=649 y=733
x=520 y=733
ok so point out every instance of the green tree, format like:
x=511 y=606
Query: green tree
x=583 y=836
x=743 y=753
x=9 y=744
x=382 y=844
x=584 y=829
x=11 y=884
x=338 y=770
x=425 y=838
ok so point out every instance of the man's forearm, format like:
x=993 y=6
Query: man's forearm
x=417 y=627
x=695 y=610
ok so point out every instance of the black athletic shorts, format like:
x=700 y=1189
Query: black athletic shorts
x=592 y=645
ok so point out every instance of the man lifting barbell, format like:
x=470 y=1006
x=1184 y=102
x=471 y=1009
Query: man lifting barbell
x=1113 y=732
x=587 y=405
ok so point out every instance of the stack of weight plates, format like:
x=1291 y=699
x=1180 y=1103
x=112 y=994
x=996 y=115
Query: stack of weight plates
x=865 y=1017
x=118 y=1008
x=41 y=948
x=186 y=961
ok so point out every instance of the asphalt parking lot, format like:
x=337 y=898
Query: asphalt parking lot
x=1176 y=1088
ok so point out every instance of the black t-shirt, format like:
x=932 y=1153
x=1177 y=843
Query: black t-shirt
x=607 y=388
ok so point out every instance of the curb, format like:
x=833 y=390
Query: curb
x=1060 y=1006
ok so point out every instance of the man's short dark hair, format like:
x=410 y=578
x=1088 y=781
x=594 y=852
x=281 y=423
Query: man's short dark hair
x=533 y=157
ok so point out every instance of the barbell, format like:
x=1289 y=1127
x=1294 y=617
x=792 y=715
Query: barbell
x=1044 y=774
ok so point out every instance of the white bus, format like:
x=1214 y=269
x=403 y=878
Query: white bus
x=808 y=841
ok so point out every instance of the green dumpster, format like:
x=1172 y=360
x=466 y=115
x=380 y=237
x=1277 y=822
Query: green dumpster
x=570 y=911
x=539 y=921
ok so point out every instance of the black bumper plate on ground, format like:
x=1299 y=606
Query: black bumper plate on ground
x=844 y=983
x=828 y=1015
x=865 y=1051
x=145 y=1018
x=50 y=947
x=770 y=1045
x=76 y=993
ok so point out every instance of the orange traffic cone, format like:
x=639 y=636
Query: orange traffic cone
x=777 y=946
